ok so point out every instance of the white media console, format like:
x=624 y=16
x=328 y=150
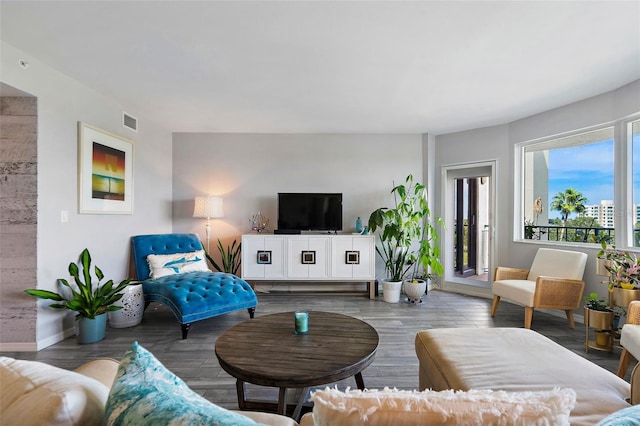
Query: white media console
x=310 y=257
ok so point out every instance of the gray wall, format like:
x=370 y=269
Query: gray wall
x=62 y=102
x=498 y=142
x=248 y=170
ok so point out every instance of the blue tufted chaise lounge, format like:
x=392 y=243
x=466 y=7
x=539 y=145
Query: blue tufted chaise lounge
x=192 y=296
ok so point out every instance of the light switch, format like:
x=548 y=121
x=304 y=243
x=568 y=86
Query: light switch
x=64 y=216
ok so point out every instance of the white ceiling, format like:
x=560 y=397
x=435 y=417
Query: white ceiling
x=346 y=66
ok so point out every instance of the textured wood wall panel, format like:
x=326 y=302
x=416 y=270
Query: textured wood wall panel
x=18 y=217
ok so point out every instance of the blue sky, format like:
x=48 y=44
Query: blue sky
x=588 y=169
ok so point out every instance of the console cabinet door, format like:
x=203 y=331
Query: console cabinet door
x=353 y=257
x=263 y=256
x=308 y=257
x=365 y=246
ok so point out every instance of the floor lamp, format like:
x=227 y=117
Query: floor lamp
x=209 y=207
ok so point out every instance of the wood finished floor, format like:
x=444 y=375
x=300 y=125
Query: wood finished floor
x=395 y=364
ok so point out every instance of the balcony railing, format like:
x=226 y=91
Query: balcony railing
x=576 y=234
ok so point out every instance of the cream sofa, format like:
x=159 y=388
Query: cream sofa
x=35 y=393
x=478 y=376
x=514 y=359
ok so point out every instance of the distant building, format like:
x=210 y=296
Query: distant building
x=604 y=213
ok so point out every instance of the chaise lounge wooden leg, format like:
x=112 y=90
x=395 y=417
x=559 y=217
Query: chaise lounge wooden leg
x=572 y=323
x=623 y=364
x=252 y=312
x=185 y=329
x=528 y=316
x=494 y=307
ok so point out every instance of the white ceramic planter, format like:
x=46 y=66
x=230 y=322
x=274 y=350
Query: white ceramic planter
x=132 y=303
x=415 y=290
x=391 y=291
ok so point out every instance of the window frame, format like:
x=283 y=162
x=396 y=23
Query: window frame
x=622 y=182
x=626 y=137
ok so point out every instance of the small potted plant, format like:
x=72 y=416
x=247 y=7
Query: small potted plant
x=598 y=315
x=230 y=257
x=91 y=303
x=623 y=270
x=407 y=236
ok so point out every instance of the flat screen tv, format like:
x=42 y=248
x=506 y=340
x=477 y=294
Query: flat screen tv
x=309 y=211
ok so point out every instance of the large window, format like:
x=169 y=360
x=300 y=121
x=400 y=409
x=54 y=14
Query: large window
x=583 y=187
x=568 y=188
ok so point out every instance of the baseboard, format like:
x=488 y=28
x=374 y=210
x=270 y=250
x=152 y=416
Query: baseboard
x=59 y=337
x=468 y=290
x=18 y=347
x=36 y=346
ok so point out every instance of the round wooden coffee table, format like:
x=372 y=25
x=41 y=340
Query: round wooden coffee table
x=266 y=351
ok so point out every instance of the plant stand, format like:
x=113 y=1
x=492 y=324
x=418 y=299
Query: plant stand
x=601 y=322
x=622 y=297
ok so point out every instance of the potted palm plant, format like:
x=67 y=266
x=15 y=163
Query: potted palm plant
x=91 y=303
x=408 y=239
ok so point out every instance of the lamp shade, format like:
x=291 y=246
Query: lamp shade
x=208 y=207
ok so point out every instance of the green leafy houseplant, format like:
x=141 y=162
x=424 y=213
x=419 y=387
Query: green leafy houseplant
x=407 y=237
x=88 y=301
x=230 y=258
x=594 y=303
x=623 y=267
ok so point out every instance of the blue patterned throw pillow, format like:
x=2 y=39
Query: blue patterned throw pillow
x=629 y=416
x=146 y=393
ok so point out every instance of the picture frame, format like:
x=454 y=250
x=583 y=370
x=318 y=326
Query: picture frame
x=308 y=257
x=352 y=257
x=105 y=172
x=264 y=257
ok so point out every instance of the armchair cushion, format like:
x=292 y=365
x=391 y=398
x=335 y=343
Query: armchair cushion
x=558 y=263
x=519 y=291
x=630 y=342
x=630 y=339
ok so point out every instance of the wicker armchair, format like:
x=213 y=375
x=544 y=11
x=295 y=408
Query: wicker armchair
x=553 y=282
x=630 y=338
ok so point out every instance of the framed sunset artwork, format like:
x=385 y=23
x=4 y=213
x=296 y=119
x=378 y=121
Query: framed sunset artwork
x=105 y=172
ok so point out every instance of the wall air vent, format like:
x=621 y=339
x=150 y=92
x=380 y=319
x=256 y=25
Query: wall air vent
x=129 y=121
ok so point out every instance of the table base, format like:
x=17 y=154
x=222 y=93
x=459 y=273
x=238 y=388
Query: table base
x=281 y=407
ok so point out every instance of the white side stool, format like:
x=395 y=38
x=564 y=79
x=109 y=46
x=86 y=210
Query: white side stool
x=132 y=303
